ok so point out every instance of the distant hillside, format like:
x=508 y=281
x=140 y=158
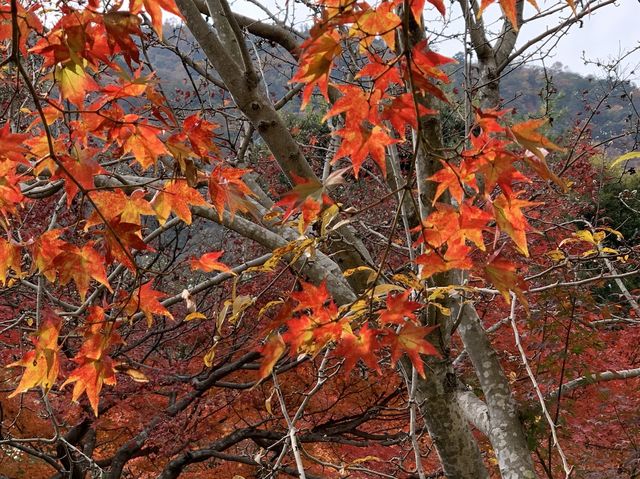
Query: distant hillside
x=568 y=99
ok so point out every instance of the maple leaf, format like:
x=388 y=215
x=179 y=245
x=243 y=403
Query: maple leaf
x=201 y=134
x=373 y=22
x=176 y=196
x=497 y=168
x=42 y=365
x=78 y=172
x=10 y=258
x=300 y=335
x=209 y=262
x=10 y=194
x=357 y=104
x=154 y=9
x=141 y=140
x=119 y=239
x=362 y=142
x=226 y=188
x=401 y=113
x=127 y=86
x=318 y=53
x=12 y=144
x=511 y=220
x=27 y=21
x=307 y=196
x=112 y=204
x=309 y=334
x=45 y=249
x=360 y=346
x=416 y=8
x=473 y=221
x=315 y=298
x=410 y=341
x=426 y=67
x=95 y=367
x=457 y=256
x=74 y=82
x=452 y=178
x=382 y=74
x=527 y=134
x=509 y=9
x=146 y=299
x=398 y=308
x=447 y=224
x=120 y=27
x=81 y=265
x=503 y=274
x=89 y=377
x=271 y=352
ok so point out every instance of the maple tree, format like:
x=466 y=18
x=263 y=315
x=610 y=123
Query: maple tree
x=201 y=294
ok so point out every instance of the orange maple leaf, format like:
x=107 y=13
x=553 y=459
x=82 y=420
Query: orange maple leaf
x=10 y=194
x=89 y=377
x=176 y=196
x=130 y=208
x=81 y=265
x=141 y=140
x=307 y=196
x=120 y=27
x=226 y=188
x=527 y=134
x=509 y=9
x=503 y=274
x=209 y=262
x=42 y=365
x=95 y=367
x=362 y=142
x=452 y=178
x=374 y=22
x=74 y=82
x=511 y=220
x=315 y=298
x=11 y=144
x=318 y=53
x=119 y=239
x=457 y=256
x=78 y=172
x=201 y=134
x=309 y=334
x=271 y=352
x=401 y=113
x=154 y=9
x=44 y=250
x=453 y=226
x=10 y=259
x=146 y=299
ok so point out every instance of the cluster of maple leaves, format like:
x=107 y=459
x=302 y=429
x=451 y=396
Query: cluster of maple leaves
x=68 y=135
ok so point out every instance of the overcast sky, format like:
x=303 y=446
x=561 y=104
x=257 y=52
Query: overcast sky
x=605 y=35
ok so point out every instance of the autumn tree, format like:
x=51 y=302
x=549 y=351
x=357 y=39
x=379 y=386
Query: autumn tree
x=194 y=286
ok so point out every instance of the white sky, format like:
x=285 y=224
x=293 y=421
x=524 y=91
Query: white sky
x=605 y=34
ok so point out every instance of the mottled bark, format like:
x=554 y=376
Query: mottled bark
x=446 y=423
x=505 y=430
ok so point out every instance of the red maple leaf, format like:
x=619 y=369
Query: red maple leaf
x=399 y=308
x=410 y=341
x=359 y=346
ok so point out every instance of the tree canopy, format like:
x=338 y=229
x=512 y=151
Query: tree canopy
x=398 y=277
